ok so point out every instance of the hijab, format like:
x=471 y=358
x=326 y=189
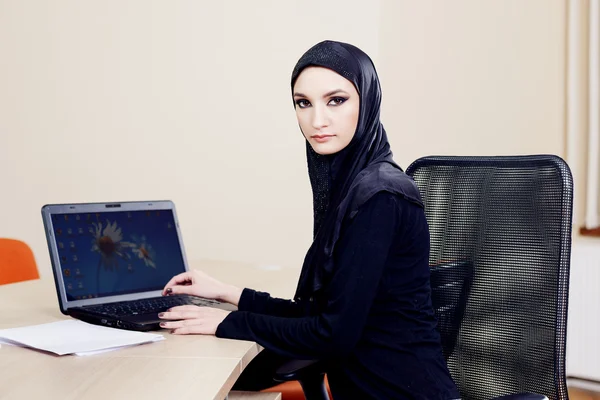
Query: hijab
x=344 y=181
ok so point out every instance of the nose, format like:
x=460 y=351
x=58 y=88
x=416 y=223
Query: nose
x=320 y=119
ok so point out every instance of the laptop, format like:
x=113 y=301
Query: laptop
x=111 y=261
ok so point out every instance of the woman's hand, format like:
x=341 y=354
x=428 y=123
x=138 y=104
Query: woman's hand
x=186 y=320
x=197 y=283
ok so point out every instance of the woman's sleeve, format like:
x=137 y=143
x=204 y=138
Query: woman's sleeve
x=360 y=260
x=262 y=303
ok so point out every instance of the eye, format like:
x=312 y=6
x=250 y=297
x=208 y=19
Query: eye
x=336 y=101
x=302 y=103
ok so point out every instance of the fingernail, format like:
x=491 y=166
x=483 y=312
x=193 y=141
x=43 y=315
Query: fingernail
x=160 y=315
x=162 y=324
x=169 y=290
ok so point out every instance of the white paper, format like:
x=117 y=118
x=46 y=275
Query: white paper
x=81 y=353
x=74 y=337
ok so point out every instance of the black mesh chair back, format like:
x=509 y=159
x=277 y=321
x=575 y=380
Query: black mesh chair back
x=500 y=252
x=450 y=285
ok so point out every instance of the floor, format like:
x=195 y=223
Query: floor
x=581 y=394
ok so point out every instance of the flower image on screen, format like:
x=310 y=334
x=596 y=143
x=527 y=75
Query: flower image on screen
x=111 y=253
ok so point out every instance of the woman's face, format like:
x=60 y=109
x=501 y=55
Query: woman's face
x=327 y=107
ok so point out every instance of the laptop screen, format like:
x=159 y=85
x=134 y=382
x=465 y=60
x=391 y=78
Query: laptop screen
x=113 y=253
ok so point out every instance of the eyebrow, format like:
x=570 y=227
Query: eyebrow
x=331 y=93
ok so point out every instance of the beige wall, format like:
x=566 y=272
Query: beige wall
x=182 y=100
x=126 y=100
x=580 y=130
x=473 y=76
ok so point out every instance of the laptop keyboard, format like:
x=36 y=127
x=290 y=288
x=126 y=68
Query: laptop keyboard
x=149 y=306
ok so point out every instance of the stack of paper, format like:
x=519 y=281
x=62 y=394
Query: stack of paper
x=74 y=337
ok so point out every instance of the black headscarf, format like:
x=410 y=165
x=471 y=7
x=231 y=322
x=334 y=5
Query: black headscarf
x=344 y=181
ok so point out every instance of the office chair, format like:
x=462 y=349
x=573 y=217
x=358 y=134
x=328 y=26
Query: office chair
x=510 y=217
x=16 y=262
x=501 y=229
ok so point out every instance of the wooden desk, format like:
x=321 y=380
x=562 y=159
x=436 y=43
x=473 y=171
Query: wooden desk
x=181 y=367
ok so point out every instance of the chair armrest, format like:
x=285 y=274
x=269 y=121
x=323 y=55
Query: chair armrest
x=298 y=370
x=522 y=396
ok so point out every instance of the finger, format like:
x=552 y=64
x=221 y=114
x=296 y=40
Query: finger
x=191 y=330
x=177 y=280
x=186 y=307
x=178 y=315
x=179 y=289
x=172 y=324
x=179 y=324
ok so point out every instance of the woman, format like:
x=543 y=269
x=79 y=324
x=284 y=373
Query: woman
x=363 y=301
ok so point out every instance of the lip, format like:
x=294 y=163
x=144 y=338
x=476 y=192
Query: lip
x=321 y=138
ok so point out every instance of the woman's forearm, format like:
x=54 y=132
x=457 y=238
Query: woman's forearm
x=231 y=294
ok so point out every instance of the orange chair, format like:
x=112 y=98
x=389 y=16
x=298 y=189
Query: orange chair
x=16 y=262
x=292 y=390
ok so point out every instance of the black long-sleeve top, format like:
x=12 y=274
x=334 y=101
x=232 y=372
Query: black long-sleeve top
x=375 y=324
